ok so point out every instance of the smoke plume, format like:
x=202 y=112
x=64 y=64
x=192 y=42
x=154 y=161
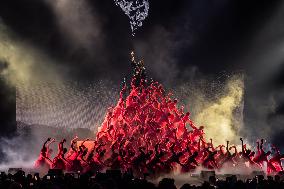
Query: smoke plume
x=77 y=22
x=223 y=118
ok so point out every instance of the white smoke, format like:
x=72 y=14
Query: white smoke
x=222 y=118
x=24 y=62
x=77 y=22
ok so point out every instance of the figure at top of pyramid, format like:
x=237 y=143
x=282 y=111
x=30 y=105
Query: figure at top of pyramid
x=138 y=70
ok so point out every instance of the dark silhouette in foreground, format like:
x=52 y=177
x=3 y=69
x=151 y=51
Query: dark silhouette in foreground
x=55 y=179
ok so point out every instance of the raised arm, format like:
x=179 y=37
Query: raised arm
x=199 y=145
x=211 y=143
x=243 y=150
x=73 y=142
x=261 y=144
x=87 y=139
x=258 y=148
x=60 y=145
x=51 y=141
x=44 y=144
x=227 y=147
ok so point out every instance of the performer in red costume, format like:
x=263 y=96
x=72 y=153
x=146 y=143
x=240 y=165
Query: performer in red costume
x=229 y=157
x=59 y=162
x=155 y=164
x=190 y=163
x=139 y=161
x=73 y=151
x=175 y=157
x=44 y=160
x=276 y=160
x=262 y=157
x=247 y=154
x=221 y=155
x=210 y=161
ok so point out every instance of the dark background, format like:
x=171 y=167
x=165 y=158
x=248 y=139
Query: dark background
x=179 y=40
x=213 y=33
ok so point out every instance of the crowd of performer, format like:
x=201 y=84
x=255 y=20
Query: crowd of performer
x=148 y=132
x=165 y=157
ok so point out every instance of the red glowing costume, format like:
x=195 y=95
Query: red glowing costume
x=59 y=162
x=44 y=157
x=275 y=163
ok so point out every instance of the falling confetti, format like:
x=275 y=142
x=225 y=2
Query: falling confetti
x=137 y=11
